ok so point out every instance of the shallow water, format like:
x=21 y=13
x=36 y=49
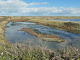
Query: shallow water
x=13 y=34
x=70 y=20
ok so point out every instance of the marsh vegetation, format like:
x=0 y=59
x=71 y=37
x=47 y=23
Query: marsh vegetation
x=67 y=26
x=27 y=51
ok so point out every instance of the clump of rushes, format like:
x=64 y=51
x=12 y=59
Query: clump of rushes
x=49 y=38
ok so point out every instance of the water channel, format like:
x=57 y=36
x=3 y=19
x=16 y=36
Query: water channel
x=13 y=34
x=70 y=20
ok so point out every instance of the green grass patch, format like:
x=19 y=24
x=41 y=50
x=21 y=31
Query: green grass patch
x=36 y=31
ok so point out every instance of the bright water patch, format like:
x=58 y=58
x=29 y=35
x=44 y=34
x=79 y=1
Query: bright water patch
x=13 y=34
x=70 y=20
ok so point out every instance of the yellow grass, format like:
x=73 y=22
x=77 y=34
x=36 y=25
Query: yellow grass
x=57 y=23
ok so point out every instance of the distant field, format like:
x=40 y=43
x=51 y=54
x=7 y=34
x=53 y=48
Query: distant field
x=41 y=17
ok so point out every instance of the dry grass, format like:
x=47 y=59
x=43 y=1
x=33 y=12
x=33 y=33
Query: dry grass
x=2 y=30
x=26 y=51
x=45 y=22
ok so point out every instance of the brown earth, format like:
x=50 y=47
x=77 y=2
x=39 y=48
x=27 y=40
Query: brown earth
x=20 y=20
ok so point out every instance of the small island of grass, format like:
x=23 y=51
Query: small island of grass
x=49 y=38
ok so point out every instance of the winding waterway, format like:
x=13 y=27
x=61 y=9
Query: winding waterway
x=13 y=34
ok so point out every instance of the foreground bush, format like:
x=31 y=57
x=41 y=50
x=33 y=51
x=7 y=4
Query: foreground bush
x=23 y=51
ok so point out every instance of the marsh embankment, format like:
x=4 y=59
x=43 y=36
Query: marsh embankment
x=2 y=30
x=73 y=27
x=3 y=41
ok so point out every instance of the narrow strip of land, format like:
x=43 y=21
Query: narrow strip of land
x=73 y=27
x=49 y=38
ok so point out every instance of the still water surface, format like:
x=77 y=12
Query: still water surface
x=70 y=20
x=13 y=34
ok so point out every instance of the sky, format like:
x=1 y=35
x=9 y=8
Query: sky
x=39 y=7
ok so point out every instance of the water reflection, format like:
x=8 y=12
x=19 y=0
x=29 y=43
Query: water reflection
x=13 y=34
x=70 y=20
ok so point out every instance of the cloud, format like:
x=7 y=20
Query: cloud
x=14 y=6
x=72 y=10
x=34 y=3
x=52 y=11
x=20 y=8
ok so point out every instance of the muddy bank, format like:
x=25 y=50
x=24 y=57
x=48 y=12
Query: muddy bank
x=49 y=38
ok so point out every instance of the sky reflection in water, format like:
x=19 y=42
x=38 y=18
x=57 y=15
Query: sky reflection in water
x=13 y=34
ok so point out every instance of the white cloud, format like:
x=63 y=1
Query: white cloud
x=72 y=10
x=52 y=11
x=17 y=7
x=34 y=3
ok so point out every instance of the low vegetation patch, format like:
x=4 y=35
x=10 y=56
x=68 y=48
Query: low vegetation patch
x=36 y=31
x=50 y=38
